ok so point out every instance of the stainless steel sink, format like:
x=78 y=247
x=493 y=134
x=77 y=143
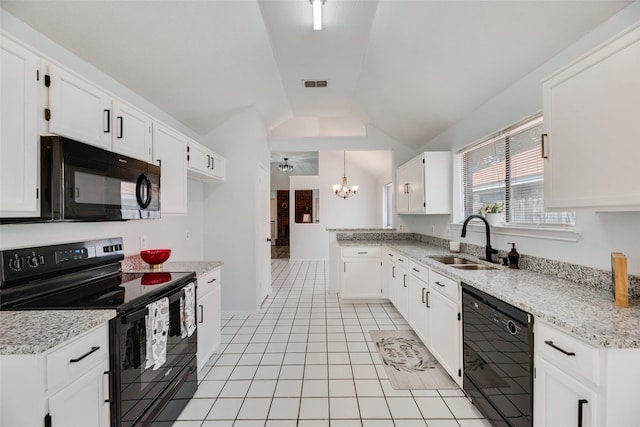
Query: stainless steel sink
x=452 y=260
x=474 y=267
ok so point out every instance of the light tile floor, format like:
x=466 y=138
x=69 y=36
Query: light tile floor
x=307 y=360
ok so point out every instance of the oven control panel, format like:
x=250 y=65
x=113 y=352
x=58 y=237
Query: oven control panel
x=28 y=263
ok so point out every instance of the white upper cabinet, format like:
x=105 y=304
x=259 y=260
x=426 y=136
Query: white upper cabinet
x=591 y=111
x=131 y=134
x=170 y=153
x=424 y=184
x=78 y=109
x=204 y=164
x=19 y=140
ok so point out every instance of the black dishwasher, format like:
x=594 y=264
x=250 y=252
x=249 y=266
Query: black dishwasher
x=497 y=358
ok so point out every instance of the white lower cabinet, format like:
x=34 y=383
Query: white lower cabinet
x=361 y=273
x=67 y=385
x=419 y=301
x=401 y=285
x=209 y=316
x=576 y=381
x=445 y=335
x=562 y=400
x=84 y=402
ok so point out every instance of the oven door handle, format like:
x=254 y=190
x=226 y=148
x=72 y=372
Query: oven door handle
x=143 y=311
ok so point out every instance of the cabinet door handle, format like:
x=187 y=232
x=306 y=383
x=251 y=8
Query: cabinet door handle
x=213 y=162
x=208 y=161
x=423 y=295
x=416 y=270
x=345 y=267
x=393 y=271
x=390 y=254
x=400 y=259
x=121 y=122
x=201 y=313
x=439 y=284
x=93 y=350
x=212 y=280
x=563 y=351
x=404 y=280
x=543 y=152
x=106 y=393
x=108 y=130
x=362 y=253
x=428 y=306
x=581 y=403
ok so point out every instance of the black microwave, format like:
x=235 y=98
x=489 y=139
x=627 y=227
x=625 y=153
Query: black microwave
x=80 y=182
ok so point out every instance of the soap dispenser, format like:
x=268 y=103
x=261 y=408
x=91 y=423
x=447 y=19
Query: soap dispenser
x=514 y=256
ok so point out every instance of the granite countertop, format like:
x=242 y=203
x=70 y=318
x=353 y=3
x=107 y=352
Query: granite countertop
x=134 y=264
x=585 y=311
x=364 y=230
x=34 y=331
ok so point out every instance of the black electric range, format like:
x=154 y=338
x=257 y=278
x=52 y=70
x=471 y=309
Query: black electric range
x=87 y=275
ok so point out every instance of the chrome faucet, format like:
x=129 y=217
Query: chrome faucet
x=489 y=250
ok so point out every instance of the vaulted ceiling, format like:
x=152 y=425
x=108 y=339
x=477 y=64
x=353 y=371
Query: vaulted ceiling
x=410 y=68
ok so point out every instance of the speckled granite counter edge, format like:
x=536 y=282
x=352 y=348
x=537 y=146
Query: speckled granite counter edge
x=135 y=264
x=34 y=332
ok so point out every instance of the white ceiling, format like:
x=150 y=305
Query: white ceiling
x=411 y=68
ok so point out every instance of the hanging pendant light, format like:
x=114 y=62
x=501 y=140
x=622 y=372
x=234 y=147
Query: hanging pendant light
x=285 y=167
x=344 y=190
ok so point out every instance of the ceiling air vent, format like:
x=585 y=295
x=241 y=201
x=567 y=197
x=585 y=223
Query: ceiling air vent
x=315 y=83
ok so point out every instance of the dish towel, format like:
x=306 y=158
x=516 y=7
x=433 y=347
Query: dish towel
x=157 y=333
x=188 y=310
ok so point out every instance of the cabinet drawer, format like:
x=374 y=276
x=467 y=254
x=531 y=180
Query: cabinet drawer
x=73 y=359
x=208 y=281
x=567 y=353
x=446 y=286
x=402 y=260
x=361 y=251
x=419 y=271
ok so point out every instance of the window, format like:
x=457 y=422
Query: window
x=387 y=205
x=508 y=169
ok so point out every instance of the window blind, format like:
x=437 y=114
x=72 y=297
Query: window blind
x=508 y=169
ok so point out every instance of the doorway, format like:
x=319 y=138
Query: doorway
x=281 y=247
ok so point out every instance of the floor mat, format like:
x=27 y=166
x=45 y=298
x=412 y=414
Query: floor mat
x=408 y=363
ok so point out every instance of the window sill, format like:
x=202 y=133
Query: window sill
x=548 y=233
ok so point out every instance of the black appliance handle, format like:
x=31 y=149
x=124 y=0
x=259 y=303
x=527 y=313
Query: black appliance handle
x=143 y=311
x=152 y=413
x=87 y=354
x=561 y=350
x=581 y=403
x=143 y=194
x=201 y=313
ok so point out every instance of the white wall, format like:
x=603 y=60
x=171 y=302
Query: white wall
x=602 y=233
x=167 y=232
x=310 y=241
x=230 y=218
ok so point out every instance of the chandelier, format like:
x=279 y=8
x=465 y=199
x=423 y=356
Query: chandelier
x=285 y=167
x=344 y=190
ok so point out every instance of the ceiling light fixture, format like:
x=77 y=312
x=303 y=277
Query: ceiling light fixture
x=317 y=14
x=285 y=167
x=344 y=190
